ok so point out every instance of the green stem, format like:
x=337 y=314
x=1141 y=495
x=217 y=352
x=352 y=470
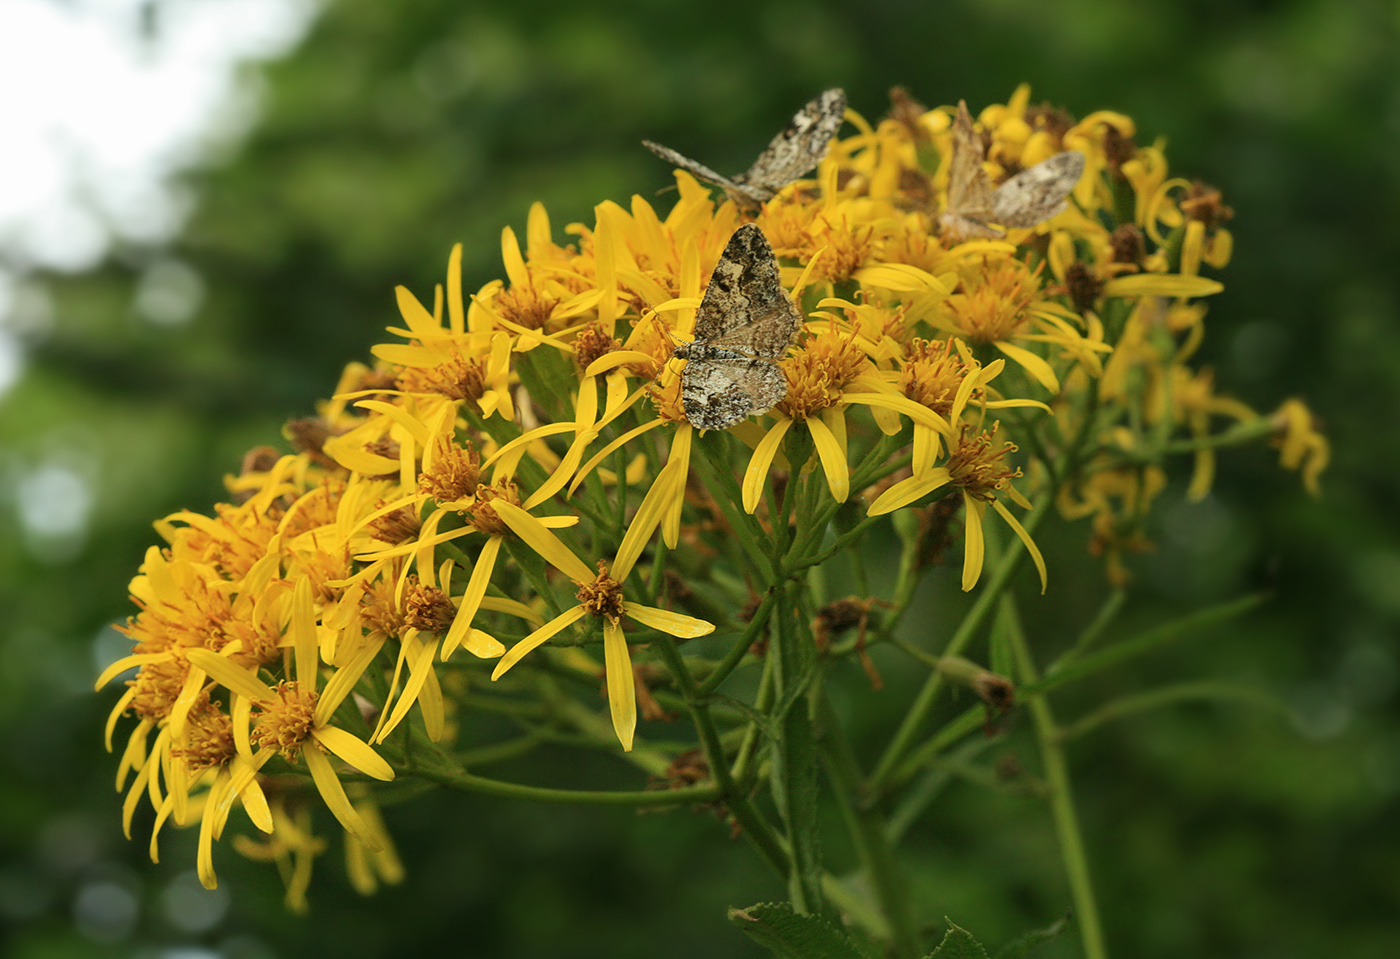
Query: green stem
x=1052 y=754
x=923 y=704
x=794 y=757
x=762 y=702
x=1153 y=698
x=740 y=649
x=755 y=827
x=868 y=833
x=707 y=792
x=730 y=503
x=1106 y=614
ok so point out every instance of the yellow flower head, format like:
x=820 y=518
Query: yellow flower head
x=530 y=461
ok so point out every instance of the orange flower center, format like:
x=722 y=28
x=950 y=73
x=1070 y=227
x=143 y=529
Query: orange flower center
x=933 y=372
x=993 y=306
x=977 y=466
x=453 y=475
x=818 y=371
x=603 y=596
x=285 y=723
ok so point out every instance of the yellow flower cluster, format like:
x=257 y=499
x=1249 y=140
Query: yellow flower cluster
x=528 y=442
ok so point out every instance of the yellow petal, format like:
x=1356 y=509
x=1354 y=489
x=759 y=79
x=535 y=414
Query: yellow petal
x=761 y=462
x=401 y=417
x=508 y=455
x=975 y=547
x=230 y=675
x=1032 y=364
x=616 y=358
x=456 y=317
x=204 y=858
x=514 y=262
x=680 y=456
x=303 y=634
x=499 y=604
x=1025 y=538
x=663 y=620
x=534 y=534
x=333 y=794
x=899 y=277
x=833 y=459
x=537 y=638
x=483 y=645
x=343 y=681
x=244 y=784
x=420 y=665
x=622 y=689
x=602 y=454
x=419 y=320
x=909 y=490
x=806 y=276
x=569 y=465
x=1161 y=284
x=354 y=751
x=649 y=513
x=128 y=662
x=900 y=404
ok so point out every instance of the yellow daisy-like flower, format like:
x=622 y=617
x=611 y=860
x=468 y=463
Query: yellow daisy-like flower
x=976 y=467
x=295 y=719
x=601 y=596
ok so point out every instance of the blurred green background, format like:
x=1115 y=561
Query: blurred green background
x=397 y=129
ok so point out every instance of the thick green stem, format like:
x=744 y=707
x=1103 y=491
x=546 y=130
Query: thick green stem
x=794 y=757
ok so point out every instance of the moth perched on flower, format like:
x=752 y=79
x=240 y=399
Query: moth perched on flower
x=976 y=209
x=523 y=512
x=792 y=153
x=746 y=320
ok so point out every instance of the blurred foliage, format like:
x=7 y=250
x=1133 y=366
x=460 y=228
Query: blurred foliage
x=398 y=129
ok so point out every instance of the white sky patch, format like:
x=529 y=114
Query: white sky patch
x=102 y=101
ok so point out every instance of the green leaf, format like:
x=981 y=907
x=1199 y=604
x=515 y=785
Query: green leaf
x=762 y=720
x=1019 y=947
x=1143 y=642
x=775 y=926
x=1170 y=695
x=958 y=944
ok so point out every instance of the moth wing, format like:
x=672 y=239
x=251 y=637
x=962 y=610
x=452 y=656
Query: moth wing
x=717 y=393
x=969 y=188
x=1035 y=195
x=800 y=146
x=698 y=169
x=745 y=307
